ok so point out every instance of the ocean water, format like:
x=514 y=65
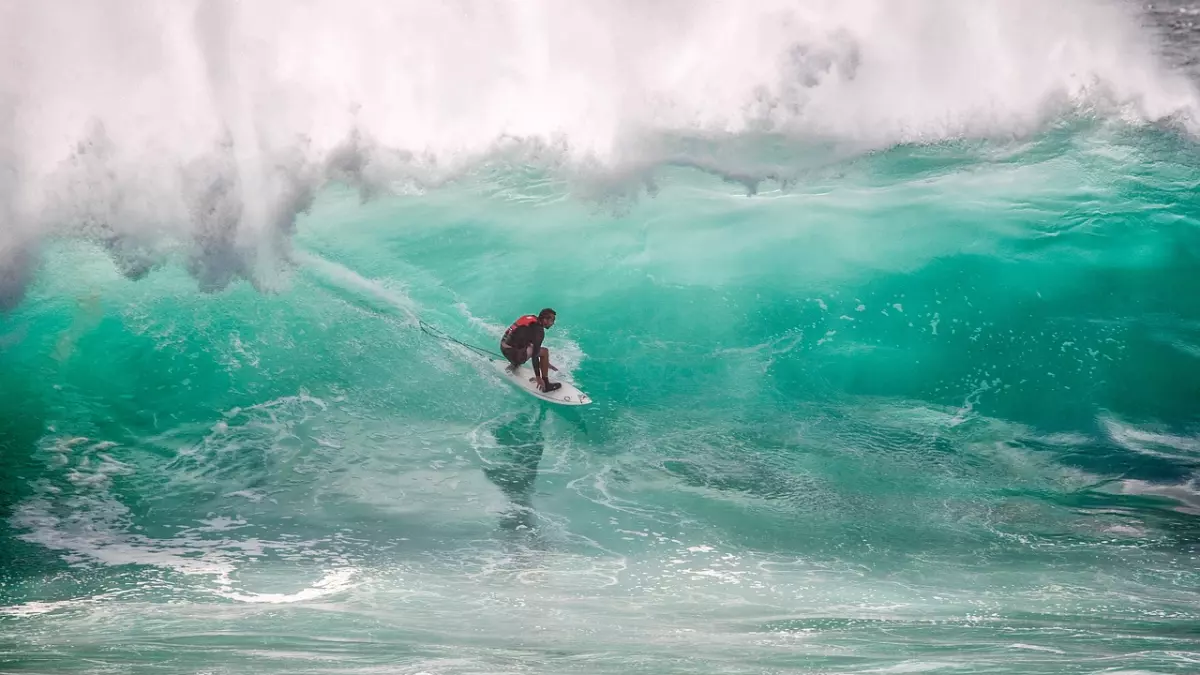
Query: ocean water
x=890 y=313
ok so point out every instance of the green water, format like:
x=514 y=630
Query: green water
x=932 y=408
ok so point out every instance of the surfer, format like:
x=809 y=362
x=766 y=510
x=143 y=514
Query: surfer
x=523 y=341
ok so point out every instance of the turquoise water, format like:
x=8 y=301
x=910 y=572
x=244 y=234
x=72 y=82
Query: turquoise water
x=861 y=405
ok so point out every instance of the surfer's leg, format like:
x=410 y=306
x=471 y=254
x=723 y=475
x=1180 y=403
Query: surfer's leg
x=547 y=386
x=513 y=356
x=545 y=365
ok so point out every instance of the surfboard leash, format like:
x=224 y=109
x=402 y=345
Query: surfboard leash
x=441 y=335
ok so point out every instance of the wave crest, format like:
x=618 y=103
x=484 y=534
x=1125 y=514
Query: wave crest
x=203 y=130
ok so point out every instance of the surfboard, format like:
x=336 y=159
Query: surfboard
x=523 y=377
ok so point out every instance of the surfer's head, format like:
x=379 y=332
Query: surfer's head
x=546 y=317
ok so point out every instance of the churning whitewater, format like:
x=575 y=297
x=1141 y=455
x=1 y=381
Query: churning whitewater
x=889 y=312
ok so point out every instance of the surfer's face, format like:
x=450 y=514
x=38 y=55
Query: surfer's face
x=548 y=321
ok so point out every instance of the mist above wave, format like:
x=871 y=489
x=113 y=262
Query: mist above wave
x=201 y=129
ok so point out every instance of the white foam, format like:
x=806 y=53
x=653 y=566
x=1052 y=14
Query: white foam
x=34 y=608
x=1036 y=648
x=201 y=129
x=914 y=667
x=87 y=525
x=1152 y=443
x=335 y=581
x=1185 y=494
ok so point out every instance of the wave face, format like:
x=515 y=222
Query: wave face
x=889 y=312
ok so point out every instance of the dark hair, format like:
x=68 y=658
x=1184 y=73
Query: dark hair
x=547 y=312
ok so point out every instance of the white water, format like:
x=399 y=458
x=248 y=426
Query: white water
x=200 y=129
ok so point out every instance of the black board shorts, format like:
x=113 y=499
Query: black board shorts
x=514 y=355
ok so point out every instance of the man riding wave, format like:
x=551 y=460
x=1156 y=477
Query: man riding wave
x=523 y=341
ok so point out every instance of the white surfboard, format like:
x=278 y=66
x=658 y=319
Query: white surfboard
x=523 y=377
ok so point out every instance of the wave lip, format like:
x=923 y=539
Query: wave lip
x=200 y=132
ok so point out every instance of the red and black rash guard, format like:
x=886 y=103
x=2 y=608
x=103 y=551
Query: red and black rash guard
x=525 y=337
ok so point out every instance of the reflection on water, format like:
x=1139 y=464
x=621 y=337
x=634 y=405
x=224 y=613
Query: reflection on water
x=514 y=468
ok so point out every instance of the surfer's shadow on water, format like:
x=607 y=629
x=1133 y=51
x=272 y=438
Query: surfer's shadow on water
x=513 y=465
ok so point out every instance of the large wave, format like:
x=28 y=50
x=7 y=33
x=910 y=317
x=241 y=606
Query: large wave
x=199 y=130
